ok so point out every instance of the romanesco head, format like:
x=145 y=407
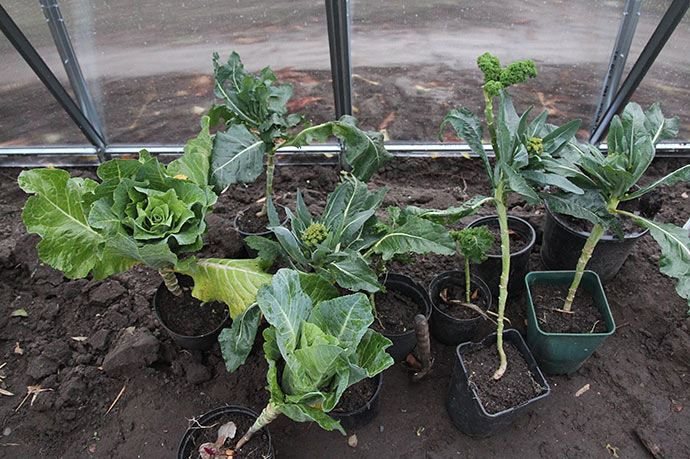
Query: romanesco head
x=535 y=146
x=314 y=234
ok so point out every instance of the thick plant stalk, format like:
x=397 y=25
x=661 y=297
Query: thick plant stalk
x=467 y=281
x=505 y=273
x=170 y=281
x=489 y=115
x=594 y=236
x=268 y=415
x=270 y=172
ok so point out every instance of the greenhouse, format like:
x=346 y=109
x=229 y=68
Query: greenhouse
x=320 y=229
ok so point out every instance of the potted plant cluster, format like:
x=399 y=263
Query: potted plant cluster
x=566 y=335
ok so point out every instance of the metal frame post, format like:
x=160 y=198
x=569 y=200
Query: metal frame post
x=619 y=56
x=43 y=72
x=338 y=20
x=661 y=34
x=63 y=43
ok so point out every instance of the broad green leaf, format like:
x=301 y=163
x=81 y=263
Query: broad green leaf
x=542 y=178
x=194 y=164
x=346 y=318
x=675 y=252
x=353 y=273
x=589 y=206
x=285 y=306
x=658 y=127
x=555 y=140
x=236 y=342
x=234 y=282
x=519 y=185
x=473 y=242
x=237 y=157
x=302 y=413
x=121 y=252
x=371 y=354
x=56 y=214
x=416 y=235
x=364 y=151
x=349 y=199
x=679 y=175
x=318 y=288
x=267 y=249
x=469 y=128
x=451 y=214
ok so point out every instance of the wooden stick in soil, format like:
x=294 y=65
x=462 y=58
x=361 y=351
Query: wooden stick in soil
x=268 y=415
x=421 y=330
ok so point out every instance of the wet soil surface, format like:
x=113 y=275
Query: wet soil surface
x=585 y=317
x=638 y=379
x=357 y=396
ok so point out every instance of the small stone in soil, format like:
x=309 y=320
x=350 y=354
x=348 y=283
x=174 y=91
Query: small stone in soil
x=352 y=441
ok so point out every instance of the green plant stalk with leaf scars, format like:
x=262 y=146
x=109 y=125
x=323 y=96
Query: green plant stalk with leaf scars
x=526 y=157
x=325 y=344
x=472 y=245
x=257 y=124
x=611 y=179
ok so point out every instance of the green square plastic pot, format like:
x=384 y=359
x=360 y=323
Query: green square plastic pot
x=563 y=353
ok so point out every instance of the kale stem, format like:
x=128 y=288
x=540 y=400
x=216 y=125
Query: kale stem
x=594 y=236
x=268 y=415
x=467 y=280
x=501 y=198
x=489 y=115
x=170 y=280
x=270 y=172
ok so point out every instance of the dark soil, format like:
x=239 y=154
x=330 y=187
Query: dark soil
x=186 y=315
x=255 y=448
x=396 y=312
x=357 y=396
x=638 y=378
x=457 y=292
x=515 y=387
x=249 y=223
x=517 y=242
x=585 y=317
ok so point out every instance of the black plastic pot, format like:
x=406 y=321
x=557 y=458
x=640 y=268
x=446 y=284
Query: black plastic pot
x=404 y=343
x=490 y=270
x=562 y=245
x=444 y=327
x=362 y=416
x=251 y=253
x=199 y=342
x=463 y=404
x=188 y=448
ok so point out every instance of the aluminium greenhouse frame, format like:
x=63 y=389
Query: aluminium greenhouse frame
x=614 y=95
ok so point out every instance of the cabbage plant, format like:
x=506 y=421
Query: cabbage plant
x=254 y=113
x=317 y=346
x=612 y=179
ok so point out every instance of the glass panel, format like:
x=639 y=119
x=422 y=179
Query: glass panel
x=29 y=114
x=413 y=60
x=149 y=63
x=668 y=80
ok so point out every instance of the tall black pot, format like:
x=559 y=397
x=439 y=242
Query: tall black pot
x=464 y=406
x=188 y=447
x=490 y=270
x=362 y=416
x=404 y=343
x=444 y=327
x=252 y=253
x=562 y=246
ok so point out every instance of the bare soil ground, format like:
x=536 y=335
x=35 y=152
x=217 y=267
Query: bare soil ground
x=638 y=380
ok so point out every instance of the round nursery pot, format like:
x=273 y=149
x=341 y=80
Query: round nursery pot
x=196 y=342
x=189 y=446
x=490 y=269
x=562 y=246
x=464 y=405
x=365 y=414
x=443 y=326
x=404 y=343
x=563 y=353
x=252 y=253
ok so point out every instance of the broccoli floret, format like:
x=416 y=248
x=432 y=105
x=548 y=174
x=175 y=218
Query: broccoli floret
x=491 y=67
x=517 y=72
x=535 y=146
x=314 y=234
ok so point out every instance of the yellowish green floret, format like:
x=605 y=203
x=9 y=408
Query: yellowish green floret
x=535 y=146
x=314 y=234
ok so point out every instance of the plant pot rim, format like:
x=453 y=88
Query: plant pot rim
x=530 y=310
x=220 y=410
x=585 y=234
x=459 y=274
x=216 y=330
x=361 y=409
x=262 y=233
x=530 y=243
x=401 y=278
x=484 y=343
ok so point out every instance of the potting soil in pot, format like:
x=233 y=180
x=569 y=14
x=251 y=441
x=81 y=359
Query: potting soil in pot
x=585 y=317
x=188 y=316
x=516 y=386
x=357 y=395
x=254 y=449
x=395 y=312
x=457 y=293
x=248 y=222
x=517 y=242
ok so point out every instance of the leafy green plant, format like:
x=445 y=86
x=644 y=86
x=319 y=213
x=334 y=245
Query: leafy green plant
x=257 y=124
x=526 y=158
x=472 y=245
x=316 y=347
x=611 y=179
